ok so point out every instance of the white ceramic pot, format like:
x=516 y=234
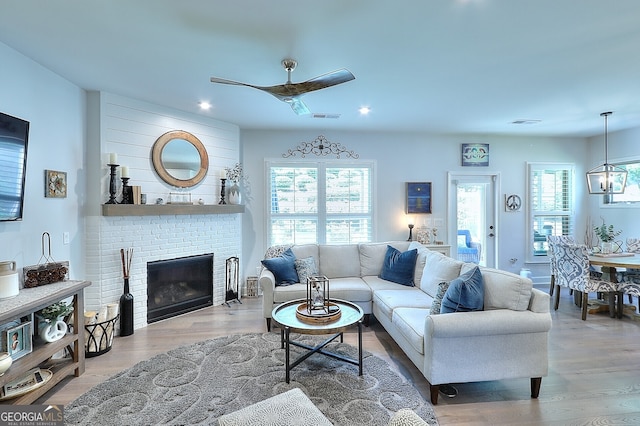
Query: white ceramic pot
x=5 y=362
x=9 y=283
x=234 y=194
x=50 y=331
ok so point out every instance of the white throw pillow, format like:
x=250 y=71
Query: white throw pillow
x=438 y=268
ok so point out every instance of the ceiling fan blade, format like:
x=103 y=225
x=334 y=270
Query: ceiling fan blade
x=287 y=90
x=327 y=80
x=235 y=83
x=298 y=106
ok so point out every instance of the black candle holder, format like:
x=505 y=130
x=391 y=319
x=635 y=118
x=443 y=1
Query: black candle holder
x=410 y=232
x=222 y=191
x=126 y=192
x=112 y=184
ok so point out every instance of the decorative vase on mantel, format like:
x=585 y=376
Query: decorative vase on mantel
x=234 y=196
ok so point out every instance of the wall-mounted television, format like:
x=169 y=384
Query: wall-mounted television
x=14 y=135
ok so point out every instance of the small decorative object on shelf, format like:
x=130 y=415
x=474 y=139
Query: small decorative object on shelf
x=47 y=271
x=180 y=198
x=9 y=282
x=126 y=300
x=17 y=340
x=5 y=362
x=52 y=325
x=112 y=184
x=127 y=193
x=222 y=191
x=235 y=175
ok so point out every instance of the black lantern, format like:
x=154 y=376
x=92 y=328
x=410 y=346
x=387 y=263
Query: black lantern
x=318 y=294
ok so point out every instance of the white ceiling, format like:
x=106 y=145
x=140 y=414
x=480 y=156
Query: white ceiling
x=442 y=66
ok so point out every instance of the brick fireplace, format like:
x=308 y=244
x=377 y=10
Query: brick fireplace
x=154 y=238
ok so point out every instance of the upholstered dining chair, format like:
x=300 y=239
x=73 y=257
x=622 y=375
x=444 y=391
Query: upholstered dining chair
x=630 y=278
x=551 y=241
x=572 y=267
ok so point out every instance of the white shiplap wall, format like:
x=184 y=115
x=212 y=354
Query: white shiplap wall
x=130 y=128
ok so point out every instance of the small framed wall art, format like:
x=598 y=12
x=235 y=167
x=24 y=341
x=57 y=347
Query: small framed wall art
x=418 y=197
x=475 y=154
x=55 y=184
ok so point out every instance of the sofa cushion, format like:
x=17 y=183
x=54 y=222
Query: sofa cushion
x=420 y=261
x=372 y=256
x=399 y=267
x=338 y=261
x=438 y=268
x=352 y=289
x=465 y=293
x=411 y=297
x=302 y=251
x=504 y=290
x=306 y=268
x=283 y=268
x=437 y=301
x=410 y=323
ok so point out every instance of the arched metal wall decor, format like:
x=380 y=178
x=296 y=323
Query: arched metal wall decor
x=320 y=147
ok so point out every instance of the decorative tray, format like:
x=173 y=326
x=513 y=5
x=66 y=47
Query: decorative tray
x=318 y=316
x=30 y=381
x=613 y=255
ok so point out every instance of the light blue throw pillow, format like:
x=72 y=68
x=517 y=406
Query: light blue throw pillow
x=465 y=293
x=283 y=268
x=398 y=267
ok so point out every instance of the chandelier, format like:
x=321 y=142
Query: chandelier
x=607 y=178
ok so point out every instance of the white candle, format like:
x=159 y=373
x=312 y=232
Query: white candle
x=223 y=174
x=124 y=172
x=113 y=158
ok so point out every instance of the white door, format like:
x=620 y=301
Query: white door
x=473 y=201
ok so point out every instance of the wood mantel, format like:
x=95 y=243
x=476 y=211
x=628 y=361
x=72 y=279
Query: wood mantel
x=168 y=209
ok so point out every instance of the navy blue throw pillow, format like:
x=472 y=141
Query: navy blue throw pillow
x=465 y=293
x=283 y=268
x=398 y=267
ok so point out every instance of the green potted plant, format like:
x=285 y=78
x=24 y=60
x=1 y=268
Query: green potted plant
x=607 y=235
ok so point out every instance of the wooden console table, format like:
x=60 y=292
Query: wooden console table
x=28 y=301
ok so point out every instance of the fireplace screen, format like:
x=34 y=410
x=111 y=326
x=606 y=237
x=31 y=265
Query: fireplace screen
x=177 y=286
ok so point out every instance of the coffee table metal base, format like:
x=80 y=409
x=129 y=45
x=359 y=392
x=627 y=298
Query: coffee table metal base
x=286 y=343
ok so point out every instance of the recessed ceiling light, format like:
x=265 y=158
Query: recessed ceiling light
x=364 y=110
x=205 y=105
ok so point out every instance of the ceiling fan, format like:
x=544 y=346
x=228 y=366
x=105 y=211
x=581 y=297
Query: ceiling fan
x=292 y=92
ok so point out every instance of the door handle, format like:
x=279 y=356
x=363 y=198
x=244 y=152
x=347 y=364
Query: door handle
x=492 y=234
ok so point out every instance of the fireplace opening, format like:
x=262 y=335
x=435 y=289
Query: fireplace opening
x=177 y=286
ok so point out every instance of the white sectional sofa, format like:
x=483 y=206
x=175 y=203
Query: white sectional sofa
x=507 y=339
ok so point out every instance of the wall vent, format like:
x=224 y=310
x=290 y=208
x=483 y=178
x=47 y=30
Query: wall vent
x=321 y=115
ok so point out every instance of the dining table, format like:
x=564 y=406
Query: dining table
x=609 y=265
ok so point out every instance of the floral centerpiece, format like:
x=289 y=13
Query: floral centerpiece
x=606 y=233
x=55 y=311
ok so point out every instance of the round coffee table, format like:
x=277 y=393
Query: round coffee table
x=285 y=316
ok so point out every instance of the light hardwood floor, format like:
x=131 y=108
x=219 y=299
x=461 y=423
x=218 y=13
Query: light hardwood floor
x=594 y=367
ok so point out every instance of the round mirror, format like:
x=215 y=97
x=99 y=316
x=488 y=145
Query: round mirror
x=180 y=159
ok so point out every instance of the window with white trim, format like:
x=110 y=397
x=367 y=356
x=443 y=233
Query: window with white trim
x=319 y=202
x=550 y=202
x=631 y=194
